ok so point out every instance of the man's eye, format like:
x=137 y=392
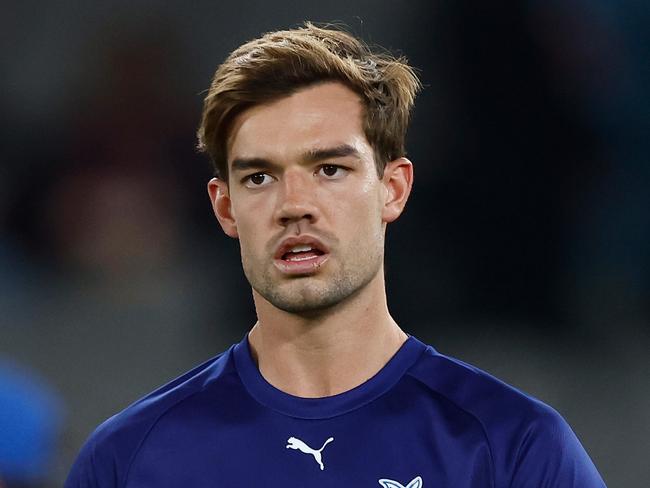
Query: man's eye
x=332 y=171
x=257 y=180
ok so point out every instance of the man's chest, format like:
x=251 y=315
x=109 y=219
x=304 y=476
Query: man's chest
x=298 y=453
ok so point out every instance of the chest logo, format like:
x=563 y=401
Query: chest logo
x=295 y=443
x=414 y=483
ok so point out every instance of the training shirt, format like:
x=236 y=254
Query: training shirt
x=424 y=420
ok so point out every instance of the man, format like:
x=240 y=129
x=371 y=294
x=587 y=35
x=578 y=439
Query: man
x=306 y=129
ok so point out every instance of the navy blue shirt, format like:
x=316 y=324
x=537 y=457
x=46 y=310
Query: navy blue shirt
x=424 y=420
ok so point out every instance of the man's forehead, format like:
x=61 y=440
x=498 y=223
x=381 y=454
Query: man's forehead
x=315 y=118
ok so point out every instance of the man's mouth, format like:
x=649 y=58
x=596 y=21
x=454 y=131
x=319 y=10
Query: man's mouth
x=300 y=255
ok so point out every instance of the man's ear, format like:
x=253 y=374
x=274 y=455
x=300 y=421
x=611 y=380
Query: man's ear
x=222 y=206
x=398 y=180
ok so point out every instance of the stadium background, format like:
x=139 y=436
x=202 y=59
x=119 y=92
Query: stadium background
x=525 y=248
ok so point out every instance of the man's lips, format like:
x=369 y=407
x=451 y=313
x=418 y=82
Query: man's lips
x=302 y=240
x=301 y=267
x=303 y=261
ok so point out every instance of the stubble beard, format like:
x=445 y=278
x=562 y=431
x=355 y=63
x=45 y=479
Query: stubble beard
x=315 y=294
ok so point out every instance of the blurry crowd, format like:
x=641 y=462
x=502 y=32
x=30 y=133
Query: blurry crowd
x=529 y=219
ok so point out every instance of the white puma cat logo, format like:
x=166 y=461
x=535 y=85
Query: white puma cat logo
x=295 y=443
x=414 y=483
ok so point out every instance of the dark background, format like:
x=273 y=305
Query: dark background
x=525 y=248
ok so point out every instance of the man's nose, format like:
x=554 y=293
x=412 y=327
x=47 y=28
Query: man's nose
x=297 y=198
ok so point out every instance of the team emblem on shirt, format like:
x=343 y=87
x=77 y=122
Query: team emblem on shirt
x=414 y=483
x=295 y=443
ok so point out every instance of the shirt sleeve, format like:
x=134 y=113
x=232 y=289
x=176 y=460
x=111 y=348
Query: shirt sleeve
x=550 y=455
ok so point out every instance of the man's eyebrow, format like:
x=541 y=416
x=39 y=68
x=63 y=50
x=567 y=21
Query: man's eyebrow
x=311 y=156
x=245 y=164
x=318 y=154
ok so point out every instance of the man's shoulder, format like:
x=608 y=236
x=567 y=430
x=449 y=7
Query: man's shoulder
x=143 y=413
x=477 y=392
x=527 y=438
x=109 y=450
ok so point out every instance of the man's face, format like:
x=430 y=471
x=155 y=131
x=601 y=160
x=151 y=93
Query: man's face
x=304 y=199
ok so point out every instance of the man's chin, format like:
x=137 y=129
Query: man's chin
x=303 y=305
x=310 y=295
x=302 y=298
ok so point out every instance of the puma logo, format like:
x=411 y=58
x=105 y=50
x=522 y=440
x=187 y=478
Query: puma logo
x=295 y=443
x=414 y=483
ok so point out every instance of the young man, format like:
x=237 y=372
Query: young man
x=306 y=128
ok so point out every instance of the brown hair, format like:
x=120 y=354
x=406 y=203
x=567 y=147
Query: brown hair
x=279 y=63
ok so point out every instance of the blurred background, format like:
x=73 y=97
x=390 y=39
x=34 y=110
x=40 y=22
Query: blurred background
x=529 y=220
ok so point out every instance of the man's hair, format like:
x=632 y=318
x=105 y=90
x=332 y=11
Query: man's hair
x=280 y=63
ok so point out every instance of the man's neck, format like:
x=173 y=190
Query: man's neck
x=329 y=354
